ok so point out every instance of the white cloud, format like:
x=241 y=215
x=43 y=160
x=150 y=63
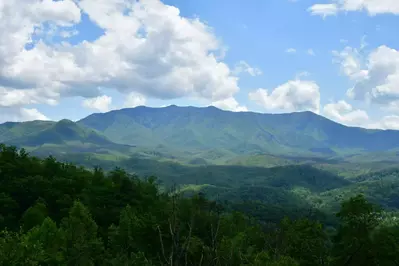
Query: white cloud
x=63 y=12
x=12 y=102
x=147 y=48
x=373 y=7
x=31 y=114
x=295 y=95
x=387 y=122
x=244 y=67
x=14 y=97
x=392 y=106
x=342 y=112
x=311 y=52
x=324 y=10
x=351 y=63
x=134 y=99
x=100 y=103
x=291 y=51
x=14 y=114
x=230 y=104
x=377 y=80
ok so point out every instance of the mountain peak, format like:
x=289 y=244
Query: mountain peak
x=66 y=122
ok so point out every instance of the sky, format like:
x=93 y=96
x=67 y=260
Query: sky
x=70 y=58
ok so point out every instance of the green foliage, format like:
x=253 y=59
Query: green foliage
x=201 y=136
x=51 y=240
x=241 y=133
x=65 y=136
x=16 y=249
x=35 y=215
x=83 y=247
x=353 y=245
x=60 y=214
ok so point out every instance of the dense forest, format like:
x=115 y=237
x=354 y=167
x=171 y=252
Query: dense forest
x=55 y=213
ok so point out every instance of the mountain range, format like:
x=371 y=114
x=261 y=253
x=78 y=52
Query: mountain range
x=203 y=135
x=294 y=160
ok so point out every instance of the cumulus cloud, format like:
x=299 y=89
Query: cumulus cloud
x=290 y=51
x=377 y=79
x=20 y=114
x=230 y=104
x=351 y=62
x=373 y=7
x=100 y=103
x=244 y=67
x=323 y=10
x=386 y=122
x=134 y=99
x=343 y=112
x=147 y=48
x=295 y=95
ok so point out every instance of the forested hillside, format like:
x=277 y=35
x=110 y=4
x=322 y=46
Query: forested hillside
x=193 y=135
x=197 y=129
x=53 y=213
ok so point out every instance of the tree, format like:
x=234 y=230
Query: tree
x=385 y=241
x=352 y=243
x=83 y=247
x=16 y=250
x=35 y=215
x=127 y=236
x=8 y=210
x=303 y=240
x=51 y=240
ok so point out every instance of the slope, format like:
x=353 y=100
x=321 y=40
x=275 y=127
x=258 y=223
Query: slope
x=64 y=136
x=12 y=130
x=198 y=130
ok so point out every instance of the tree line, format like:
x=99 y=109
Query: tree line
x=55 y=213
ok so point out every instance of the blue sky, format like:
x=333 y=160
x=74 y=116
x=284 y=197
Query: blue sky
x=338 y=58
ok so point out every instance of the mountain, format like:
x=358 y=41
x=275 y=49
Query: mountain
x=12 y=130
x=199 y=136
x=64 y=135
x=200 y=130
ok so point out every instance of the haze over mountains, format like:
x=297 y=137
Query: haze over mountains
x=203 y=134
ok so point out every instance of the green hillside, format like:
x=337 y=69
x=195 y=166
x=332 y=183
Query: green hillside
x=65 y=136
x=198 y=130
x=53 y=213
x=204 y=136
x=12 y=130
x=284 y=189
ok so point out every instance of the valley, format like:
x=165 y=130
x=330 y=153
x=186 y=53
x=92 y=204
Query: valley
x=269 y=173
x=304 y=160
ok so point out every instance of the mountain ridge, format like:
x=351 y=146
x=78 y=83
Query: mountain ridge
x=200 y=133
x=319 y=132
x=53 y=137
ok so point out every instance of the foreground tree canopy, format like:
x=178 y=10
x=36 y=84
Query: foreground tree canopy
x=53 y=213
